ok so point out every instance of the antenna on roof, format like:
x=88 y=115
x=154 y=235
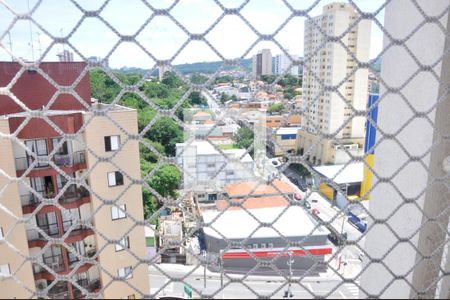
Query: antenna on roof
x=39 y=43
x=31 y=34
x=10 y=45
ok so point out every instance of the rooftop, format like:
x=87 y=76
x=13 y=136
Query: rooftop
x=288 y=130
x=206 y=148
x=245 y=188
x=291 y=221
x=347 y=173
x=252 y=203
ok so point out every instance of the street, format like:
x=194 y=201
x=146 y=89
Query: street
x=250 y=288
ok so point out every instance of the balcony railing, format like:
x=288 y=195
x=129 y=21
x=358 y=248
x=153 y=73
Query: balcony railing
x=62 y=160
x=90 y=286
x=73 y=193
x=54 y=263
x=70 y=195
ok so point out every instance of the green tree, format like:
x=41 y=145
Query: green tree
x=171 y=80
x=166 y=132
x=166 y=180
x=198 y=78
x=276 y=107
x=268 y=78
x=196 y=98
x=147 y=154
x=243 y=138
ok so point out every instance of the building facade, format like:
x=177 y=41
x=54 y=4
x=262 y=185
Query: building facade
x=262 y=63
x=282 y=64
x=335 y=66
x=54 y=164
x=204 y=165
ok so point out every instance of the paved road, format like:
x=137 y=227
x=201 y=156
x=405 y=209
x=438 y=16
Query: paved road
x=163 y=286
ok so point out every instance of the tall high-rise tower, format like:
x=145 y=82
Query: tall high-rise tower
x=333 y=64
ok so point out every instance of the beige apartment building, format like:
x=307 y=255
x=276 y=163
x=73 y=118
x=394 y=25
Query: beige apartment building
x=327 y=111
x=83 y=207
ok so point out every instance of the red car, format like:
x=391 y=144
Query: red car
x=298 y=196
x=315 y=211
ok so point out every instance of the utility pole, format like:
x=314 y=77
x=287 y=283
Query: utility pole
x=221 y=272
x=204 y=271
x=288 y=293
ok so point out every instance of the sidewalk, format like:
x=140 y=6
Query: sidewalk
x=183 y=270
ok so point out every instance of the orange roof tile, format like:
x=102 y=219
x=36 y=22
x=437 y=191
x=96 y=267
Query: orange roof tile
x=245 y=188
x=252 y=203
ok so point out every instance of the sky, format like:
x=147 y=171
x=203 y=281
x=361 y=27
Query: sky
x=161 y=37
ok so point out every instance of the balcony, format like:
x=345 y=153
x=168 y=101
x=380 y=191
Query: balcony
x=73 y=197
x=90 y=286
x=36 y=239
x=59 y=291
x=69 y=163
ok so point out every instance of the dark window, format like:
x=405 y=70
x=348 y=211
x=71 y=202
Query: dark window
x=112 y=143
x=115 y=179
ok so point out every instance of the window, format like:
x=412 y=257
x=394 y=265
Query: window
x=1 y=233
x=4 y=270
x=112 y=143
x=63 y=149
x=263 y=246
x=115 y=179
x=255 y=246
x=125 y=273
x=118 y=212
x=210 y=165
x=122 y=244
x=270 y=245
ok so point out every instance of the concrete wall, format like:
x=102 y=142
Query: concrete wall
x=416 y=181
x=127 y=160
x=16 y=238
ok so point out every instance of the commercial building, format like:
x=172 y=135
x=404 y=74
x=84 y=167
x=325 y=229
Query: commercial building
x=53 y=164
x=289 y=223
x=262 y=63
x=347 y=178
x=204 y=165
x=369 y=144
x=286 y=140
x=282 y=63
x=328 y=111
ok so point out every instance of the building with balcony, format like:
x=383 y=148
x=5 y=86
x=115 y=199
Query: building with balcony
x=333 y=84
x=62 y=189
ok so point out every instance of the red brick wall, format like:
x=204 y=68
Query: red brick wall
x=39 y=128
x=35 y=91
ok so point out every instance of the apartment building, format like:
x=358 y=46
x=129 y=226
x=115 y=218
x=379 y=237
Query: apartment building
x=205 y=166
x=330 y=64
x=61 y=194
x=262 y=63
x=282 y=63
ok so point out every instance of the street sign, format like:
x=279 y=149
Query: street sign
x=188 y=291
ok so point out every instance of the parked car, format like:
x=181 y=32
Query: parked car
x=357 y=222
x=302 y=186
x=338 y=239
x=293 y=180
x=298 y=196
x=315 y=211
x=306 y=205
